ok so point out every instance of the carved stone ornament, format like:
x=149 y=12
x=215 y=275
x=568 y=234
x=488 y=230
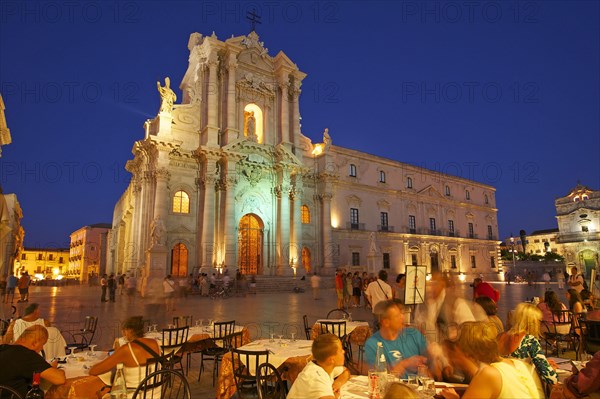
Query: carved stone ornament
x=253 y=174
x=254 y=83
x=251 y=205
x=187 y=117
x=251 y=41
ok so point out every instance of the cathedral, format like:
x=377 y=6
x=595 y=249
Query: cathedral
x=225 y=180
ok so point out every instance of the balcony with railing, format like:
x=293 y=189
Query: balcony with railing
x=355 y=226
x=385 y=228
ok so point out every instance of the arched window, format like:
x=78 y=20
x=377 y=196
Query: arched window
x=305 y=214
x=409 y=182
x=253 y=123
x=181 y=202
x=381 y=176
x=448 y=191
x=179 y=260
x=467 y=194
x=486 y=199
x=352 y=170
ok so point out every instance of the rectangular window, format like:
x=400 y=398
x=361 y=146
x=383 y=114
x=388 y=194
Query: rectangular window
x=471 y=234
x=490 y=233
x=412 y=224
x=355 y=258
x=473 y=264
x=453 y=261
x=353 y=218
x=50 y=257
x=39 y=257
x=23 y=257
x=60 y=260
x=384 y=221
x=39 y=269
x=451 y=228
x=381 y=176
x=413 y=259
x=432 y=226
x=352 y=170
x=386 y=261
x=409 y=182
x=492 y=262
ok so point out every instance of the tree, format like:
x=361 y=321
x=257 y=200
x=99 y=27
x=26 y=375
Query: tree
x=523 y=236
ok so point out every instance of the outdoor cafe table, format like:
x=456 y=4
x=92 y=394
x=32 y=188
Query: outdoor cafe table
x=357 y=387
x=289 y=357
x=359 y=331
x=198 y=335
x=79 y=384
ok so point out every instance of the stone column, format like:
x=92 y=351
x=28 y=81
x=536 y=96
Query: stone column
x=296 y=222
x=137 y=222
x=285 y=119
x=212 y=128
x=231 y=132
x=283 y=267
x=208 y=221
x=296 y=114
x=407 y=261
x=328 y=244
x=229 y=226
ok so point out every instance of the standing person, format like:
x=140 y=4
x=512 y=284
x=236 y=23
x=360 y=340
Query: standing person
x=131 y=286
x=575 y=280
x=481 y=288
x=378 y=291
x=348 y=289
x=315 y=282
x=169 y=292
x=339 y=289
x=560 y=277
x=23 y=285
x=356 y=289
x=11 y=284
x=112 y=287
x=121 y=283
x=400 y=287
x=365 y=284
x=546 y=277
x=104 y=287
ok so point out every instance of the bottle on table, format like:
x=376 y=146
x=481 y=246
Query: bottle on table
x=381 y=368
x=35 y=392
x=119 y=387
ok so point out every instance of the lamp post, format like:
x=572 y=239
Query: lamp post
x=512 y=243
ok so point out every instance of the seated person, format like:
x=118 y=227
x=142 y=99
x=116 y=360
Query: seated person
x=323 y=377
x=31 y=316
x=134 y=355
x=549 y=307
x=20 y=360
x=586 y=381
x=404 y=348
x=493 y=376
x=522 y=341
x=491 y=310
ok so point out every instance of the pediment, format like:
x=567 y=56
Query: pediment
x=383 y=204
x=353 y=200
x=430 y=191
x=181 y=229
x=244 y=147
x=281 y=60
x=254 y=58
x=283 y=154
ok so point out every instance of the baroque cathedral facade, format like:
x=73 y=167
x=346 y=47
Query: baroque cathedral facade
x=225 y=180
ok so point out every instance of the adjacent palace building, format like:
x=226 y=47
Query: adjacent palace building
x=226 y=180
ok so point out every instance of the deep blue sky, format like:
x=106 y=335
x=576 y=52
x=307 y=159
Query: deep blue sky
x=506 y=93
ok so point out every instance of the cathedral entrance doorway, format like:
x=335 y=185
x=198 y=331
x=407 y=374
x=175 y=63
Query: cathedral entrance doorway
x=250 y=244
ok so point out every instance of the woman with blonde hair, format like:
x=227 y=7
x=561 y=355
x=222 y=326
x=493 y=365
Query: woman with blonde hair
x=522 y=341
x=494 y=376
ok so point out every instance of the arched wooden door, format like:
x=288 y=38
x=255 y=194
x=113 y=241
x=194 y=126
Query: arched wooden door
x=250 y=244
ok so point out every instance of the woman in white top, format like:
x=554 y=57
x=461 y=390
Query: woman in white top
x=134 y=355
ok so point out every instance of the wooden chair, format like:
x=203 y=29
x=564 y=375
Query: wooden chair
x=244 y=364
x=183 y=321
x=219 y=345
x=84 y=337
x=269 y=383
x=172 y=341
x=337 y=314
x=339 y=328
x=7 y=392
x=307 y=327
x=163 y=384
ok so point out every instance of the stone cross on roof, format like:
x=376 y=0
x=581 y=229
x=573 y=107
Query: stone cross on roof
x=254 y=19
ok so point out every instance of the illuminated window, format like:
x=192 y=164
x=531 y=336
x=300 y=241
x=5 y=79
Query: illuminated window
x=305 y=214
x=181 y=202
x=179 y=260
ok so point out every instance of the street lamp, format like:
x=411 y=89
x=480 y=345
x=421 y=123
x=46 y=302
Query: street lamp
x=512 y=243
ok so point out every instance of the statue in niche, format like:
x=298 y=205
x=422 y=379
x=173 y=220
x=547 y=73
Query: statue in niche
x=157 y=231
x=168 y=96
x=250 y=126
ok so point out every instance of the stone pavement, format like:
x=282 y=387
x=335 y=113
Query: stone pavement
x=279 y=312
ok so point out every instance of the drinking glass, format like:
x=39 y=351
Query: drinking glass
x=293 y=337
x=92 y=352
x=149 y=328
x=72 y=349
x=170 y=326
x=413 y=381
x=428 y=386
x=155 y=327
x=272 y=339
x=198 y=322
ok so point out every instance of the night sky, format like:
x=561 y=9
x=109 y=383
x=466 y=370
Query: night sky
x=505 y=93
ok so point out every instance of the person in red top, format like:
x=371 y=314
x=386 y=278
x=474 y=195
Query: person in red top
x=481 y=288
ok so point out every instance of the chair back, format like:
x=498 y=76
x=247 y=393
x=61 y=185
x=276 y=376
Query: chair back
x=235 y=340
x=174 y=338
x=269 y=383
x=183 y=321
x=7 y=392
x=245 y=364
x=337 y=314
x=307 y=328
x=163 y=384
x=562 y=321
x=334 y=327
x=89 y=325
x=591 y=335
x=221 y=332
x=4 y=326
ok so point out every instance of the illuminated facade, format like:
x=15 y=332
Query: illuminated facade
x=42 y=263
x=226 y=179
x=578 y=216
x=87 y=252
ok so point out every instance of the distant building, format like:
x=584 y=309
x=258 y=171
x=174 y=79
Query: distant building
x=42 y=263
x=87 y=257
x=578 y=216
x=539 y=242
x=226 y=179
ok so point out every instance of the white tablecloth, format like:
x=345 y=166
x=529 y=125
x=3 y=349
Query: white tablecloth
x=280 y=350
x=80 y=365
x=350 y=325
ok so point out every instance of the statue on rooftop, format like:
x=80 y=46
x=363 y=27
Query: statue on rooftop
x=167 y=96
